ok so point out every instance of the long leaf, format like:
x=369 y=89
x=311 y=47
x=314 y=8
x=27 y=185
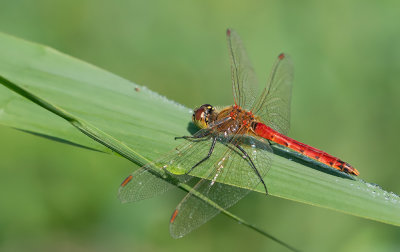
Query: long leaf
x=145 y=123
x=120 y=148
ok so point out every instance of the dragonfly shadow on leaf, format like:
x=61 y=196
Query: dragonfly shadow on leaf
x=295 y=157
x=298 y=158
x=192 y=128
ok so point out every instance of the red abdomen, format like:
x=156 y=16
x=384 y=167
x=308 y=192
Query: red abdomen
x=268 y=133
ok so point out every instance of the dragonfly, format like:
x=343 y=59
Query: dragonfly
x=232 y=146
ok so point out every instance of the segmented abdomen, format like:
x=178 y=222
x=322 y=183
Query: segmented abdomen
x=268 y=133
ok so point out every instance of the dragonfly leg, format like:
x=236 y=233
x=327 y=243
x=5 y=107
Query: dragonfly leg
x=186 y=137
x=253 y=166
x=195 y=136
x=207 y=157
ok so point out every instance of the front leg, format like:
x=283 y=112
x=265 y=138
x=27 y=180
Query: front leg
x=200 y=135
x=214 y=140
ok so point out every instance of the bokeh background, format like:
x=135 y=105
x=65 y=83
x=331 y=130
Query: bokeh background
x=346 y=101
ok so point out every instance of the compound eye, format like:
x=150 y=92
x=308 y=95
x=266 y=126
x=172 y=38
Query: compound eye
x=200 y=116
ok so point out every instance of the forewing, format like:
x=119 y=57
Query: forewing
x=143 y=184
x=244 y=81
x=230 y=168
x=273 y=106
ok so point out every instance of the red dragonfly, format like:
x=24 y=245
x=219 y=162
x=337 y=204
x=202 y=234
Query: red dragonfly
x=232 y=147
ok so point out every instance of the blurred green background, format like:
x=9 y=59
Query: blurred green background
x=345 y=101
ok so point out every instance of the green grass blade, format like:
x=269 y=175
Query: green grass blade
x=144 y=124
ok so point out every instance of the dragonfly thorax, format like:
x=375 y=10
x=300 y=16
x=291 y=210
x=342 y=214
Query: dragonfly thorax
x=235 y=120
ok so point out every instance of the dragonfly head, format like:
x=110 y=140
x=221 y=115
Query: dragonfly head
x=202 y=115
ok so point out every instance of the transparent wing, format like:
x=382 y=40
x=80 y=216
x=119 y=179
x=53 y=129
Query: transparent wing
x=142 y=184
x=230 y=168
x=193 y=212
x=273 y=106
x=244 y=81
